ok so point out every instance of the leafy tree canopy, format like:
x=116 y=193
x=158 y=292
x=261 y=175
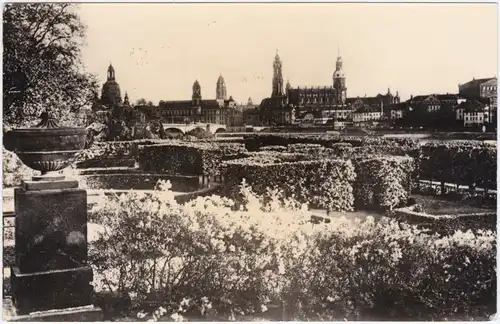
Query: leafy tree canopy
x=42 y=64
x=144 y=102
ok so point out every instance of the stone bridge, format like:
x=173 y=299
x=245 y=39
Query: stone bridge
x=184 y=128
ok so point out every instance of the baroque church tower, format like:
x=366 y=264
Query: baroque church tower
x=196 y=93
x=110 y=95
x=339 y=82
x=221 y=91
x=277 y=77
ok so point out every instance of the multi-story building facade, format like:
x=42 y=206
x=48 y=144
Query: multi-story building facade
x=378 y=102
x=474 y=113
x=366 y=114
x=324 y=98
x=283 y=106
x=480 y=88
x=324 y=102
x=435 y=102
x=198 y=109
x=396 y=111
x=254 y=117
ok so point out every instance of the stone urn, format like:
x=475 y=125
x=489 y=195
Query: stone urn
x=51 y=276
x=47 y=147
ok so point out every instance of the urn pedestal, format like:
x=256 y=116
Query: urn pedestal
x=51 y=279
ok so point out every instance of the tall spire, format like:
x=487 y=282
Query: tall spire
x=339 y=83
x=220 y=90
x=277 y=76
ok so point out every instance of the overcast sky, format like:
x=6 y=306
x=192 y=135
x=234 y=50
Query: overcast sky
x=159 y=50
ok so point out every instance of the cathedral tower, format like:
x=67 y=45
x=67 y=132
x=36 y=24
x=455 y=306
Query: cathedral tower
x=339 y=82
x=110 y=95
x=196 y=93
x=277 y=77
x=220 y=91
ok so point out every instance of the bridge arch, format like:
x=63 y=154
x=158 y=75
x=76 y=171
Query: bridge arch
x=197 y=131
x=220 y=130
x=174 y=130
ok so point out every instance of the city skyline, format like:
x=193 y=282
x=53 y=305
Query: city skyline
x=381 y=46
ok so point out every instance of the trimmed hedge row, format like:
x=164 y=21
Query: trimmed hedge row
x=314 y=151
x=116 y=153
x=470 y=163
x=254 y=141
x=382 y=182
x=375 y=182
x=322 y=183
x=138 y=181
x=447 y=224
x=188 y=158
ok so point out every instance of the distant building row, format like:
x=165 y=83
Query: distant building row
x=219 y=110
x=475 y=103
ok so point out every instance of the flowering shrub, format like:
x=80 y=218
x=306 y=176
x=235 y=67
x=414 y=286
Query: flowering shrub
x=383 y=181
x=197 y=256
x=322 y=183
x=381 y=271
x=204 y=258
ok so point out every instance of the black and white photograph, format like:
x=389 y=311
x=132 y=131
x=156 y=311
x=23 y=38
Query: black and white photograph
x=249 y=162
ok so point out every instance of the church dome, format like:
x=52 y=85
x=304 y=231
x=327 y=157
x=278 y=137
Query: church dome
x=111 y=94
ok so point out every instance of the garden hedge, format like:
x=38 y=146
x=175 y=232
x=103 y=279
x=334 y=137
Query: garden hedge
x=382 y=182
x=188 y=158
x=113 y=153
x=314 y=151
x=470 y=163
x=322 y=183
x=254 y=141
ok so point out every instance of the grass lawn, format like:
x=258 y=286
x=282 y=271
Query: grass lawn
x=438 y=206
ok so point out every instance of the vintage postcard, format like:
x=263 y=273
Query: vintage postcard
x=249 y=161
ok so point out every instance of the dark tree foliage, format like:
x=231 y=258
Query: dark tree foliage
x=42 y=66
